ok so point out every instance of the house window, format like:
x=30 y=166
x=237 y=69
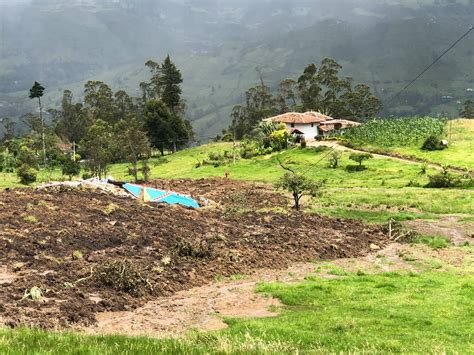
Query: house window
x=292 y=125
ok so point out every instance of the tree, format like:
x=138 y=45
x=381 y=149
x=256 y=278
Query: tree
x=135 y=146
x=360 y=157
x=324 y=91
x=36 y=92
x=71 y=121
x=96 y=145
x=26 y=161
x=164 y=128
x=468 y=109
x=170 y=81
x=99 y=101
x=124 y=107
x=288 y=95
x=71 y=168
x=298 y=185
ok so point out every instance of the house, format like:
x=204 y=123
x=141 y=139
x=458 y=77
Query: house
x=310 y=125
x=301 y=124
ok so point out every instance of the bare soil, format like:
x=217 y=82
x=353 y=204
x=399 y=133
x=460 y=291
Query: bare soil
x=91 y=253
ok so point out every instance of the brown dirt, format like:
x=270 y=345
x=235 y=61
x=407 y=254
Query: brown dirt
x=448 y=227
x=90 y=252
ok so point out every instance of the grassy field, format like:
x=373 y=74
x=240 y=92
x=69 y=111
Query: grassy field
x=386 y=189
x=351 y=312
x=460 y=134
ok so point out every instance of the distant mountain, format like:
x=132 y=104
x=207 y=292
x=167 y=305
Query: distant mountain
x=219 y=44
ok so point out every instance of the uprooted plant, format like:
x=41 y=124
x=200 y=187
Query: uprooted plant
x=124 y=276
x=195 y=248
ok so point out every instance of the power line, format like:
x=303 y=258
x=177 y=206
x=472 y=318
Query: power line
x=431 y=65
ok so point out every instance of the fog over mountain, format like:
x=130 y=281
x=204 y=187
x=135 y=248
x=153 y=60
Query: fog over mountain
x=221 y=46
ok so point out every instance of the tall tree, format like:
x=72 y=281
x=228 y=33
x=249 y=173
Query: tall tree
x=99 y=101
x=134 y=144
x=71 y=121
x=164 y=128
x=36 y=92
x=124 y=107
x=96 y=146
x=171 y=80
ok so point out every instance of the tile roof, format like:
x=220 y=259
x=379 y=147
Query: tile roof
x=302 y=118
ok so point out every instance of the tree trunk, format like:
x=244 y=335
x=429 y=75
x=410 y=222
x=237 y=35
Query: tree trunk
x=42 y=130
x=296 y=197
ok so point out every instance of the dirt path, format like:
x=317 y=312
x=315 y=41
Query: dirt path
x=336 y=146
x=204 y=308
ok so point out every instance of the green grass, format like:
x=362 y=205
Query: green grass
x=380 y=171
x=459 y=154
x=375 y=216
x=375 y=194
x=385 y=313
x=433 y=242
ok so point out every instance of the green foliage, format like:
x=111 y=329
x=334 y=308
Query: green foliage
x=36 y=91
x=165 y=128
x=27 y=174
x=395 y=132
x=334 y=159
x=133 y=145
x=443 y=180
x=324 y=91
x=97 y=146
x=360 y=157
x=433 y=142
x=299 y=185
x=71 y=168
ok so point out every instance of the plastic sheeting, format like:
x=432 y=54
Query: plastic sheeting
x=149 y=194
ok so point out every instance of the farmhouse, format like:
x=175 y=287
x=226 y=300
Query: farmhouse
x=310 y=124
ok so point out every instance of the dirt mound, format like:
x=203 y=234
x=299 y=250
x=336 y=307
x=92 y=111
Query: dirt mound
x=231 y=193
x=89 y=252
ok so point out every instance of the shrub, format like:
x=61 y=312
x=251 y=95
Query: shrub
x=334 y=159
x=433 y=242
x=433 y=142
x=26 y=174
x=443 y=180
x=71 y=168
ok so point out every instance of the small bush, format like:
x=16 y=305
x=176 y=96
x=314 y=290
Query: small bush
x=443 y=180
x=433 y=142
x=334 y=159
x=26 y=174
x=71 y=168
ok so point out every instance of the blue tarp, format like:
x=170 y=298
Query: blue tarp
x=149 y=194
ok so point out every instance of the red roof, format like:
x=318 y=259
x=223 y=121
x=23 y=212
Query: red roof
x=304 y=118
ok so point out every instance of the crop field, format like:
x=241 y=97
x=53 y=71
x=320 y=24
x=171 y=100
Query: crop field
x=404 y=137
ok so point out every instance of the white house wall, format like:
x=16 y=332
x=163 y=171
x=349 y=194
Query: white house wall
x=308 y=131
